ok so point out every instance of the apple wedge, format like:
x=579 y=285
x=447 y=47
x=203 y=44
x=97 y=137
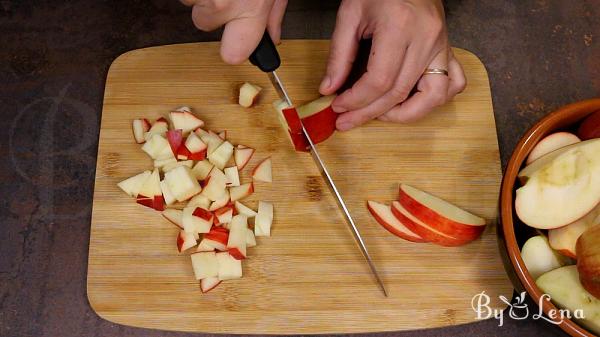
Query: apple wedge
x=240 y=192
x=202 y=169
x=244 y=210
x=264 y=219
x=150 y=195
x=140 y=127
x=248 y=94
x=232 y=175
x=133 y=185
x=185 y=120
x=563 y=190
x=242 y=155
x=539 y=257
x=209 y=283
x=440 y=214
x=175 y=216
x=384 y=216
x=564 y=239
x=160 y=127
x=205 y=264
x=590 y=127
x=263 y=171
x=221 y=155
x=550 y=143
x=182 y=183
x=185 y=241
x=229 y=267
x=236 y=244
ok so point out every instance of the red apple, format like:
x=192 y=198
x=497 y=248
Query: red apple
x=590 y=127
x=221 y=236
x=262 y=171
x=383 y=214
x=173 y=164
x=140 y=127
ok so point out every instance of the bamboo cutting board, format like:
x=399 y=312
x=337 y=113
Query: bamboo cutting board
x=309 y=277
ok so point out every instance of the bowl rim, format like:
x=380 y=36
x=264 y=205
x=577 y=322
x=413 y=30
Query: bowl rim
x=574 y=112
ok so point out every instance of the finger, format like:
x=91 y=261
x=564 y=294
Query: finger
x=207 y=17
x=385 y=61
x=275 y=20
x=188 y=3
x=342 y=51
x=240 y=38
x=458 y=81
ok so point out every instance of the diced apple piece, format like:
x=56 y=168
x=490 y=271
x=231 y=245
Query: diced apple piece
x=440 y=214
x=224 y=214
x=563 y=190
x=564 y=239
x=157 y=147
x=262 y=171
x=199 y=201
x=221 y=155
x=133 y=185
x=166 y=192
x=233 y=178
x=196 y=220
x=236 y=245
x=590 y=127
x=220 y=202
x=185 y=121
x=140 y=127
x=175 y=216
x=248 y=94
x=175 y=139
x=240 y=192
x=218 y=234
x=182 y=183
x=185 y=241
x=205 y=246
x=160 y=127
x=168 y=167
x=539 y=257
x=183 y=153
x=151 y=191
x=215 y=187
x=161 y=163
x=209 y=283
x=565 y=290
x=383 y=214
x=202 y=169
x=229 y=267
x=550 y=143
x=223 y=134
x=205 y=264
x=216 y=245
x=264 y=219
x=196 y=147
x=250 y=239
x=242 y=155
x=244 y=210
x=211 y=139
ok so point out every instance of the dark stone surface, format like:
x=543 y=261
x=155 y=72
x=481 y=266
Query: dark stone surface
x=54 y=56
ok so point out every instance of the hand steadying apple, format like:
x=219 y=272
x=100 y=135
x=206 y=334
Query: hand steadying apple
x=409 y=36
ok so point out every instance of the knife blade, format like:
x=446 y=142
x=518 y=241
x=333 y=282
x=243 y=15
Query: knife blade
x=266 y=58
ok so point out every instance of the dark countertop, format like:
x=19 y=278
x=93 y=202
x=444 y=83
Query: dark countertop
x=54 y=56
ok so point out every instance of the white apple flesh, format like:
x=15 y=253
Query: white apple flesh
x=264 y=219
x=263 y=171
x=564 y=239
x=539 y=257
x=140 y=127
x=229 y=267
x=242 y=155
x=236 y=245
x=175 y=216
x=248 y=94
x=205 y=264
x=550 y=143
x=182 y=183
x=132 y=185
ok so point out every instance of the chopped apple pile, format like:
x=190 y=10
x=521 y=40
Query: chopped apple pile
x=201 y=191
x=421 y=217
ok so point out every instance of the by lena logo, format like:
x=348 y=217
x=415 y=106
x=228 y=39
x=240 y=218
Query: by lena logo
x=519 y=309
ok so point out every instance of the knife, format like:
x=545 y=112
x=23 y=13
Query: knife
x=266 y=58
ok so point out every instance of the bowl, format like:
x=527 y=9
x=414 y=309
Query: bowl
x=513 y=233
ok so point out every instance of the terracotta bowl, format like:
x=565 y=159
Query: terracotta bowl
x=512 y=233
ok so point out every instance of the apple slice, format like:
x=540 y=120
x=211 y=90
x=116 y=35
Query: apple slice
x=185 y=241
x=383 y=214
x=224 y=214
x=215 y=187
x=262 y=171
x=240 y=192
x=539 y=257
x=171 y=165
x=175 y=216
x=209 y=283
x=250 y=238
x=166 y=192
x=140 y=127
x=229 y=267
x=202 y=169
x=428 y=233
x=244 y=210
x=175 y=139
x=264 y=219
x=133 y=185
x=150 y=195
x=563 y=190
x=236 y=245
x=564 y=239
x=242 y=155
x=220 y=202
x=182 y=183
x=550 y=143
x=232 y=175
x=590 y=127
x=205 y=264
x=440 y=214
x=199 y=201
x=221 y=155
x=196 y=220
x=248 y=94
x=185 y=121
x=196 y=147
x=157 y=147
x=160 y=127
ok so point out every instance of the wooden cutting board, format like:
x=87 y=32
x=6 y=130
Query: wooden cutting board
x=309 y=277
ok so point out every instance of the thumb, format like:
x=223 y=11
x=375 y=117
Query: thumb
x=240 y=38
x=275 y=19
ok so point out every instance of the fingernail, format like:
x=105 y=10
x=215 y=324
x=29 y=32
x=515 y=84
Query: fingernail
x=345 y=126
x=325 y=83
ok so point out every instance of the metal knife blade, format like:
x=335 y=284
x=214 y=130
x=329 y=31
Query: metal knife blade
x=276 y=81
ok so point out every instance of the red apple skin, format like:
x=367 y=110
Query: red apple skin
x=438 y=221
x=183 y=151
x=158 y=203
x=209 y=289
x=162 y=120
x=425 y=233
x=202 y=213
x=394 y=230
x=175 y=138
x=590 y=127
x=588 y=260
x=320 y=125
x=179 y=242
x=197 y=155
x=567 y=253
x=236 y=253
x=218 y=236
x=145 y=201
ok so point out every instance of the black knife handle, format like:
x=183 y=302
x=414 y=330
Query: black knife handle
x=265 y=56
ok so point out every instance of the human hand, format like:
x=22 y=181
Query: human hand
x=245 y=22
x=408 y=37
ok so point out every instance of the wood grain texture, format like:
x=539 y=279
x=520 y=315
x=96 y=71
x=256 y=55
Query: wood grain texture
x=309 y=277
